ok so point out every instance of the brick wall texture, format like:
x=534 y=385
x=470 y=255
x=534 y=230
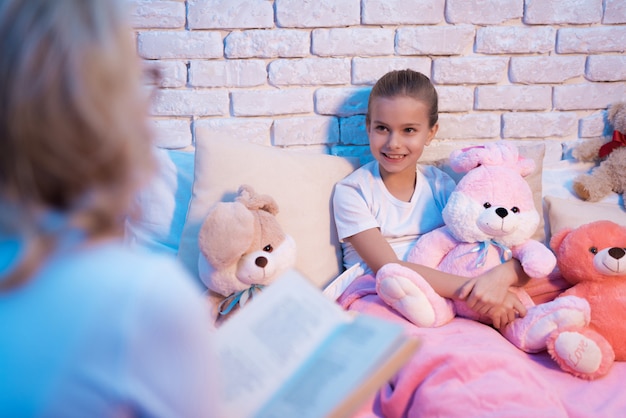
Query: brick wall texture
x=297 y=73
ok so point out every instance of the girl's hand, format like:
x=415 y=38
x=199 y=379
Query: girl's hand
x=484 y=292
x=504 y=314
x=490 y=291
x=490 y=288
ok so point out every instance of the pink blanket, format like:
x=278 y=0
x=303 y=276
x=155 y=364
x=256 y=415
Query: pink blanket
x=467 y=369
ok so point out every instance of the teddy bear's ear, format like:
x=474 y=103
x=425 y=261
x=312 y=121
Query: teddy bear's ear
x=617 y=116
x=226 y=234
x=558 y=237
x=253 y=201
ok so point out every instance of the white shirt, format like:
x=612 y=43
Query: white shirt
x=361 y=201
x=105 y=331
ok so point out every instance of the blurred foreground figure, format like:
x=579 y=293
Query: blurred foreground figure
x=88 y=328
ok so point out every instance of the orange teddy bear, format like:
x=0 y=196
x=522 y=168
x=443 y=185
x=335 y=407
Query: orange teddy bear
x=592 y=258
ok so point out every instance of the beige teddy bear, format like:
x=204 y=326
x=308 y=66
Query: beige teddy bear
x=610 y=173
x=242 y=249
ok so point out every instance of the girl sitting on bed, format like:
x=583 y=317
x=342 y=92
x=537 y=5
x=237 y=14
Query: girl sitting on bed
x=383 y=207
x=89 y=327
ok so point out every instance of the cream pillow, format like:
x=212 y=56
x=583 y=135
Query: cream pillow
x=572 y=213
x=301 y=183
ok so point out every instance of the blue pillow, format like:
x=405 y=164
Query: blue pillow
x=163 y=203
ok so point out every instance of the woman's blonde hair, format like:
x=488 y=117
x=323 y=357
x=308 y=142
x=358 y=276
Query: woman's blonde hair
x=74 y=135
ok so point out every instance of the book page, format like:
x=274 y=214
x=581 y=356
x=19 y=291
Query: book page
x=267 y=341
x=344 y=362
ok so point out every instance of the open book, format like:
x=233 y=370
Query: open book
x=292 y=352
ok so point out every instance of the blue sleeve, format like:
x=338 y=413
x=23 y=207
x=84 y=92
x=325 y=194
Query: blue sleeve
x=170 y=355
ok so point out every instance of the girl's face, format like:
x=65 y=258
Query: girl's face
x=398 y=132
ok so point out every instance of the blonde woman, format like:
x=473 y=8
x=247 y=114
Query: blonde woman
x=88 y=328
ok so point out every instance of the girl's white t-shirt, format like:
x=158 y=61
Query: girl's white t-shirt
x=361 y=201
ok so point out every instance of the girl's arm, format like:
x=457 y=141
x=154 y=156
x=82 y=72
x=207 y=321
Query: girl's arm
x=484 y=293
x=376 y=252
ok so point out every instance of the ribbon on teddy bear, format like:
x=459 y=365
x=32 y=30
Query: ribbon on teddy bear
x=240 y=297
x=619 y=140
x=483 y=247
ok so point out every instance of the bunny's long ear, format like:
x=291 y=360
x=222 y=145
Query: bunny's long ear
x=499 y=153
x=226 y=234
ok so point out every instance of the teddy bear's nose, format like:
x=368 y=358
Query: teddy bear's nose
x=261 y=261
x=617 y=252
x=502 y=212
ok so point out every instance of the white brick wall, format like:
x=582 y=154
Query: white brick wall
x=297 y=73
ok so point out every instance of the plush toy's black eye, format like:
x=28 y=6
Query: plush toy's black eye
x=268 y=248
x=593 y=250
x=515 y=209
x=487 y=205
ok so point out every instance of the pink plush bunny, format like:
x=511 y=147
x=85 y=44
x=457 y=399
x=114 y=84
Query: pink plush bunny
x=489 y=218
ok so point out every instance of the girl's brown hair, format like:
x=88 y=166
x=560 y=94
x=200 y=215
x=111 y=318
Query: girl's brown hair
x=73 y=129
x=407 y=83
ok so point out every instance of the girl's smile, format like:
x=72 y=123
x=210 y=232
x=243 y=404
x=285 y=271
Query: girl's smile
x=398 y=132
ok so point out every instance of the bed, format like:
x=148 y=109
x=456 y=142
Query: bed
x=467 y=369
x=463 y=368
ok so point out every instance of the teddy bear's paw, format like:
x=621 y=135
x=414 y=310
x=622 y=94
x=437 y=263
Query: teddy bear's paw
x=581 y=352
x=580 y=190
x=592 y=187
x=408 y=293
x=531 y=332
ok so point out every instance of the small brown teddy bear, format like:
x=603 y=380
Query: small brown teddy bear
x=610 y=173
x=242 y=249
